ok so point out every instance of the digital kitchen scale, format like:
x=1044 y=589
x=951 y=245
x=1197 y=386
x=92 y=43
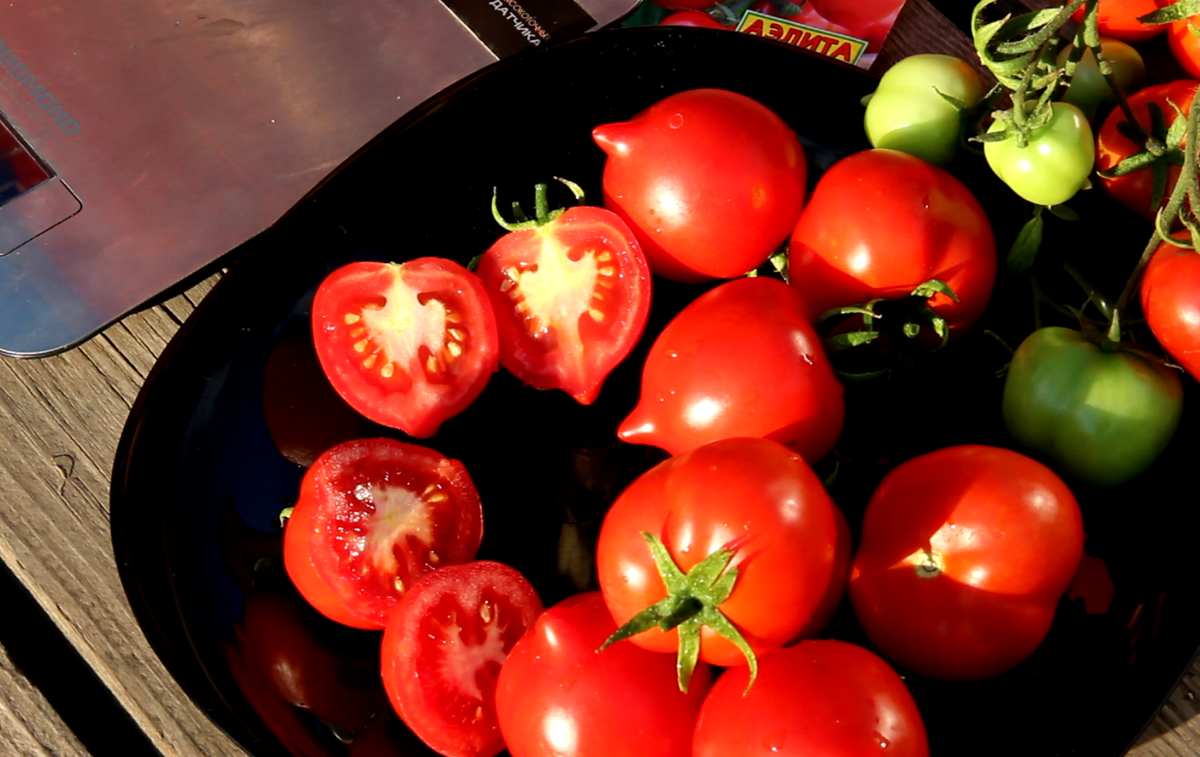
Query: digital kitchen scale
x=142 y=140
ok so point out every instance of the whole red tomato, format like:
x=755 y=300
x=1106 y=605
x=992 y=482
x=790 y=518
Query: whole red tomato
x=749 y=508
x=881 y=222
x=1170 y=294
x=406 y=345
x=866 y=19
x=1135 y=190
x=740 y=360
x=823 y=697
x=964 y=555
x=373 y=516
x=558 y=697
x=1185 y=45
x=571 y=293
x=683 y=5
x=710 y=181
x=1119 y=18
x=692 y=18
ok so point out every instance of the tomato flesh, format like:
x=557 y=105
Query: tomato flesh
x=407 y=345
x=443 y=650
x=571 y=298
x=374 y=516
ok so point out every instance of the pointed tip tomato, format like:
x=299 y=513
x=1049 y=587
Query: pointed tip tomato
x=571 y=298
x=740 y=360
x=408 y=345
x=710 y=181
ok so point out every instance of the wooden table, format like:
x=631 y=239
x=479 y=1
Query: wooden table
x=77 y=675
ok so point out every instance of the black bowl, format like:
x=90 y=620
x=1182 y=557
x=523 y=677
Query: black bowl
x=200 y=479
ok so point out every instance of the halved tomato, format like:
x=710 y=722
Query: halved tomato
x=444 y=646
x=571 y=293
x=407 y=345
x=373 y=516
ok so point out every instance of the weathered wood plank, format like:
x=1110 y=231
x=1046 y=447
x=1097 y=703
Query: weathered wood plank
x=29 y=726
x=60 y=421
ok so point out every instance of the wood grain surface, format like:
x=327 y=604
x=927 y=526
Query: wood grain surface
x=60 y=421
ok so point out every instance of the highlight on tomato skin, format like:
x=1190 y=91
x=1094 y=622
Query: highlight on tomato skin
x=571 y=298
x=408 y=345
x=445 y=646
x=374 y=516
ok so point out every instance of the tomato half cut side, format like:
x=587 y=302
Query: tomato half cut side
x=407 y=345
x=374 y=516
x=571 y=298
x=444 y=646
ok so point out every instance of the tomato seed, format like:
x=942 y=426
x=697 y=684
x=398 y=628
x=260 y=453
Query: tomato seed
x=596 y=314
x=458 y=335
x=433 y=558
x=360 y=346
x=387 y=370
x=352 y=318
x=454 y=348
x=485 y=612
x=607 y=270
x=369 y=362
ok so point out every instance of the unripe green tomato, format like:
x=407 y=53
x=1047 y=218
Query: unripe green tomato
x=1055 y=163
x=906 y=112
x=1098 y=417
x=1088 y=88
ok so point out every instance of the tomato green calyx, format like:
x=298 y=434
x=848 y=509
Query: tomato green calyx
x=912 y=313
x=691 y=604
x=1176 y=11
x=541 y=207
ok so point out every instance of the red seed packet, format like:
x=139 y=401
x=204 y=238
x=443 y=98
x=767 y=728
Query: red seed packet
x=851 y=31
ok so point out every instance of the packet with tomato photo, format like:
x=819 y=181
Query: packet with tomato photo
x=851 y=31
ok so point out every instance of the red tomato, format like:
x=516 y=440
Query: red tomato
x=752 y=497
x=1135 y=190
x=1170 y=293
x=965 y=553
x=1119 y=18
x=571 y=298
x=680 y=171
x=879 y=223
x=373 y=516
x=407 y=345
x=823 y=697
x=558 y=697
x=866 y=19
x=1185 y=45
x=740 y=360
x=283 y=645
x=692 y=18
x=443 y=649
x=680 y=5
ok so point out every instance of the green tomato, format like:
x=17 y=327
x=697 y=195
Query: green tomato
x=1056 y=162
x=906 y=112
x=1088 y=88
x=1099 y=417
